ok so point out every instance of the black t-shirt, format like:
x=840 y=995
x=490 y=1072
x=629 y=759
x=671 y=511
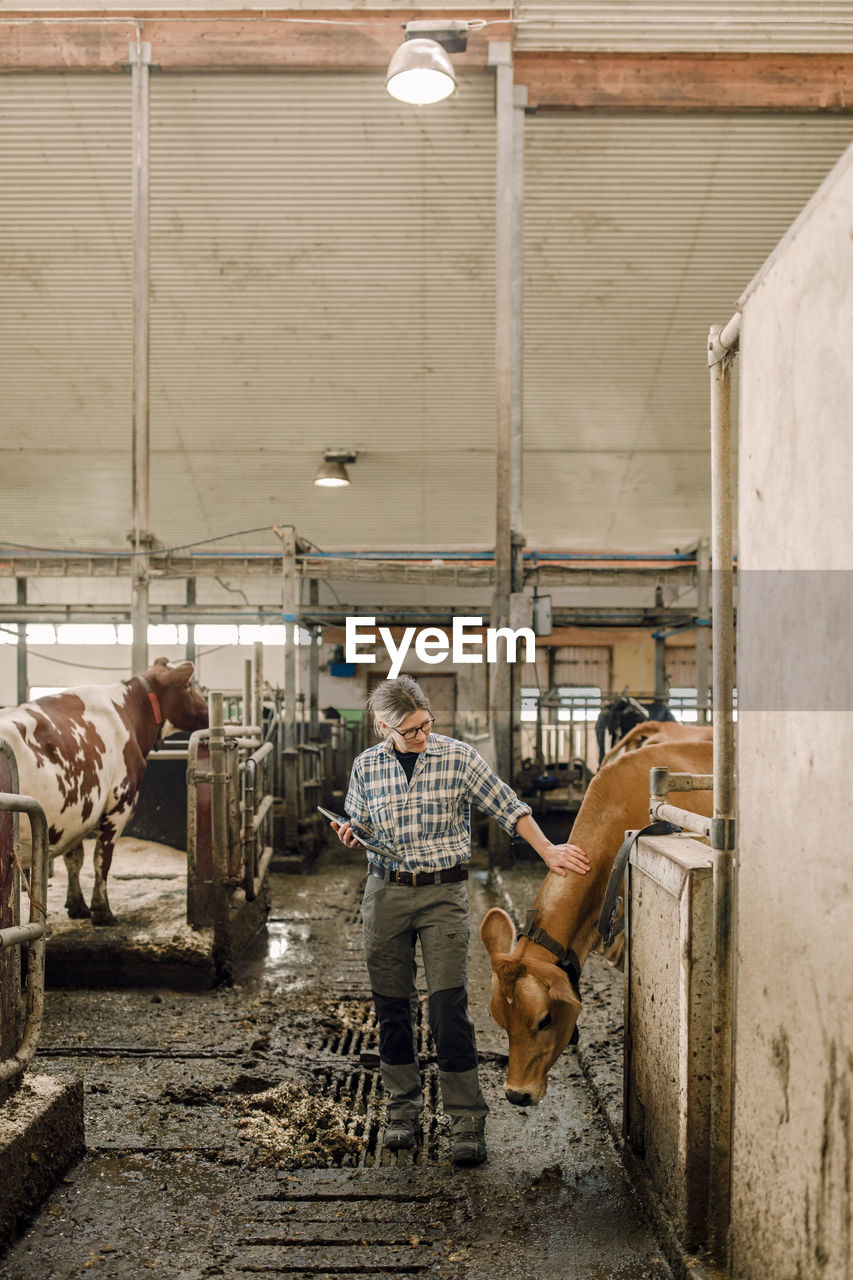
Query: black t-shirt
x=408 y=759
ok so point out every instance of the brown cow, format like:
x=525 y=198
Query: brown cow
x=82 y=754
x=532 y=999
x=652 y=733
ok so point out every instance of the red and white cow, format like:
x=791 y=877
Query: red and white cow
x=82 y=754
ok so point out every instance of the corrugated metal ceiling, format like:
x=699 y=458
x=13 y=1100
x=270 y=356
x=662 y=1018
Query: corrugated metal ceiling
x=322 y=275
x=821 y=26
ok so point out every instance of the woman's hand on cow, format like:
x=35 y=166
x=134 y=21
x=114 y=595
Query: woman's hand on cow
x=346 y=835
x=562 y=858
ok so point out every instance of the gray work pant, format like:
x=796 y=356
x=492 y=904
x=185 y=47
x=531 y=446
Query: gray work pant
x=395 y=917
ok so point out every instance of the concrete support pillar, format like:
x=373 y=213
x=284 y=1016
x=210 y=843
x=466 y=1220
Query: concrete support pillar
x=661 y=682
x=140 y=61
x=257 y=700
x=315 y=632
x=509 y=106
x=23 y=681
x=290 y=615
x=703 y=630
x=190 y=650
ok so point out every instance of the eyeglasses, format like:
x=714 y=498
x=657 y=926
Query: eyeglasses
x=410 y=734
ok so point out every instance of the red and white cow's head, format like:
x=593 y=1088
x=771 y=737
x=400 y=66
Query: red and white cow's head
x=179 y=701
x=535 y=1003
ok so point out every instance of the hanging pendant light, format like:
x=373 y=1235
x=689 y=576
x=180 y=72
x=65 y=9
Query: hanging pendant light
x=420 y=72
x=332 y=472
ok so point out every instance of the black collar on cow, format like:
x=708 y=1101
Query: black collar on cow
x=153 y=700
x=566 y=958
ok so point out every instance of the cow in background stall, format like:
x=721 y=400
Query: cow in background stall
x=535 y=995
x=653 y=733
x=621 y=715
x=82 y=754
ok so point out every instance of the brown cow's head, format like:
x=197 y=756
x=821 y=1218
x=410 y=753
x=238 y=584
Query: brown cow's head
x=180 y=703
x=535 y=1004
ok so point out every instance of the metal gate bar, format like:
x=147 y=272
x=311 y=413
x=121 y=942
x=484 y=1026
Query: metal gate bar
x=31 y=935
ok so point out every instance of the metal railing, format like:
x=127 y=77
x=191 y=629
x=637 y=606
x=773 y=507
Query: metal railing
x=256 y=837
x=32 y=935
x=661 y=782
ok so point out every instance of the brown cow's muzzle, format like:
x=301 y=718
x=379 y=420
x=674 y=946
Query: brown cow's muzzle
x=520 y=1099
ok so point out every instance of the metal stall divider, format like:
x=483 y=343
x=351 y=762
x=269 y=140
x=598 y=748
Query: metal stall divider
x=20 y=1023
x=229 y=832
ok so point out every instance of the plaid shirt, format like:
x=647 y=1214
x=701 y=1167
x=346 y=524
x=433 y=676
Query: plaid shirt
x=426 y=822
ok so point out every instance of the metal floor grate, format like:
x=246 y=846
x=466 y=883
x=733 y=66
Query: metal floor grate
x=357 y=1085
x=368 y=1230
x=360 y=1091
x=359 y=1032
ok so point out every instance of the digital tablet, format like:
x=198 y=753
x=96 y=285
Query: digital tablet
x=341 y=818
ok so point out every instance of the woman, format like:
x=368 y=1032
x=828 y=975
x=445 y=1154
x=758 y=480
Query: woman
x=411 y=795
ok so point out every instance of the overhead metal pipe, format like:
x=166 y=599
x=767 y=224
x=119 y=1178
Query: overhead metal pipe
x=722 y=345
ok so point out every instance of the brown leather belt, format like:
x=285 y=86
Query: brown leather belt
x=451 y=875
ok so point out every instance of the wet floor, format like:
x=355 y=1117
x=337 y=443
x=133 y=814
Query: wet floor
x=204 y=1108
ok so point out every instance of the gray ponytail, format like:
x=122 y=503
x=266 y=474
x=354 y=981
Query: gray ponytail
x=393 y=700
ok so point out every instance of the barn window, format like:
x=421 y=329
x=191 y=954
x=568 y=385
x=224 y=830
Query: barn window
x=167 y=633
x=682 y=704
x=216 y=633
x=250 y=634
x=37 y=633
x=86 y=633
x=41 y=633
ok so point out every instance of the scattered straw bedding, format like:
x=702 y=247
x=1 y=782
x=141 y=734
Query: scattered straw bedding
x=290 y=1128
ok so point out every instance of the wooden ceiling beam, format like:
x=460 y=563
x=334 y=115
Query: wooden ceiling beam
x=359 y=41
x=327 y=40
x=681 y=82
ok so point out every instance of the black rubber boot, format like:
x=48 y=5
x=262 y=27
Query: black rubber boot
x=402 y=1134
x=469 y=1140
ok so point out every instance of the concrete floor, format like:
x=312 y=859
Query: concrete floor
x=172 y=1183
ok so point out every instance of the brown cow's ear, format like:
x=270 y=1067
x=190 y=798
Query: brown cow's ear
x=182 y=674
x=497 y=931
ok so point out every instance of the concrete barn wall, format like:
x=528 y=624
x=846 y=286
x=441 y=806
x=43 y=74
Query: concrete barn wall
x=794 y=1015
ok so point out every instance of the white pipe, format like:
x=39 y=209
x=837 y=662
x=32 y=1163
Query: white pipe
x=661 y=812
